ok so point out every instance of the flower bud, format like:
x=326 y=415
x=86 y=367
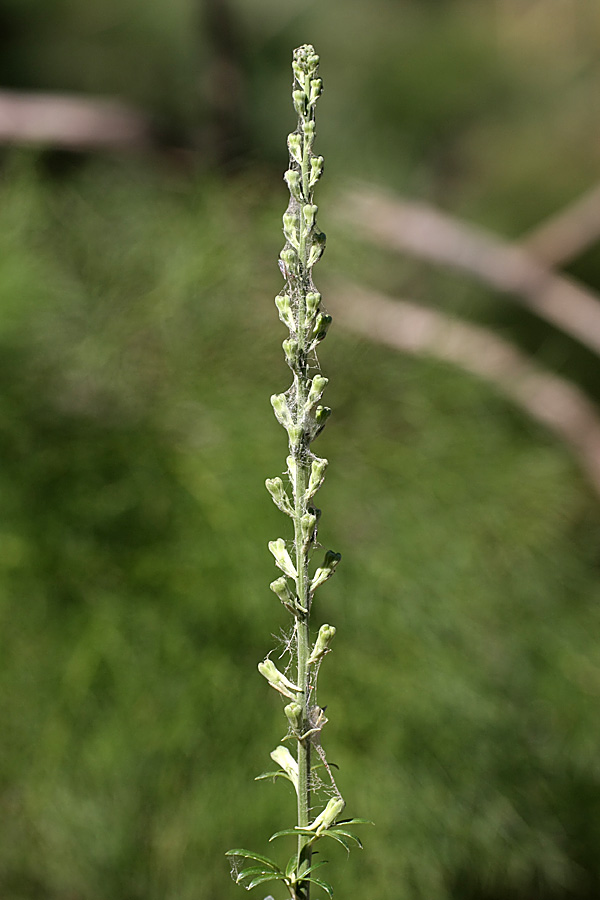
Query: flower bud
x=295 y=146
x=281 y=410
x=321 y=326
x=324 y=638
x=293 y=713
x=283 y=559
x=289 y=257
x=316 y=170
x=326 y=570
x=313 y=301
x=328 y=816
x=282 y=756
x=308 y=523
x=309 y=211
x=290 y=349
x=322 y=413
x=316 y=89
x=317 y=475
x=309 y=130
x=317 y=249
x=296 y=435
x=317 y=386
x=292 y=179
x=282 y=302
x=290 y=230
x=277 y=679
x=280 y=498
x=281 y=589
x=299 y=99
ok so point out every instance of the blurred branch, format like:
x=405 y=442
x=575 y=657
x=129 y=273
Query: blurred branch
x=74 y=123
x=567 y=234
x=227 y=136
x=428 y=234
x=554 y=402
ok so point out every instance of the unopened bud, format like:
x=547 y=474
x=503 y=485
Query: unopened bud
x=309 y=211
x=326 y=570
x=322 y=413
x=317 y=249
x=290 y=348
x=328 y=816
x=317 y=475
x=316 y=169
x=282 y=756
x=324 y=638
x=292 y=179
x=282 y=302
x=293 y=713
x=281 y=589
x=316 y=89
x=308 y=523
x=277 y=679
x=321 y=326
x=295 y=146
x=283 y=559
x=309 y=130
x=290 y=230
x=299 y=99
x=296 y=435
x=313 y=301
x=280 y=498
x=317 y=386
x=281 y=410
x=289 y=257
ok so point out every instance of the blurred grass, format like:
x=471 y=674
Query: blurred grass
x=140 y=347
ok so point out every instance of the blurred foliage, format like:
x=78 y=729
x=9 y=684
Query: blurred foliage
x=140 y=345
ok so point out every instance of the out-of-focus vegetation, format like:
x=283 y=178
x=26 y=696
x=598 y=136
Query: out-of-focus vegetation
x=140 y=345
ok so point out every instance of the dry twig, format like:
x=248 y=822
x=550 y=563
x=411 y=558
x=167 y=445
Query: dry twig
x=554 y=402
x=428 y=234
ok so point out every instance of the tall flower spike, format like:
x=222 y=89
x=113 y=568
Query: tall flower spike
x=300 y=411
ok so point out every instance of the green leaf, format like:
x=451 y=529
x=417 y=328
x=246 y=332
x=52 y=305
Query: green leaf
x=322 y=884
x=294 y=831
x=250 y=854
x=338 y=838
x=279 y=774
x=317 y=865
x=250 y=872
x=262 y=879
x=346 y=834
x=290 y=869
x=355 y=822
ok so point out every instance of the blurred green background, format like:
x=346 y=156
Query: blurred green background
x=139 y=346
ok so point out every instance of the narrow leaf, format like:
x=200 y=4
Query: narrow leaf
x=338 y=838
x=293 y=831
x=355 y=822
x=348 y=834
x=251 y=871
x=291 y=866
x=264 y=776
x=250 y=854
x=322 y=884
x=261 y=879
x=317 y=865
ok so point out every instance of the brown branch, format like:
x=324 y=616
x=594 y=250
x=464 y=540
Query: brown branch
x=567 y=234
x=74 y=123
x=557 y=404
x=425 y=233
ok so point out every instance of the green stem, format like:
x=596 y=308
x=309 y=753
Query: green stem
x=302 y=556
